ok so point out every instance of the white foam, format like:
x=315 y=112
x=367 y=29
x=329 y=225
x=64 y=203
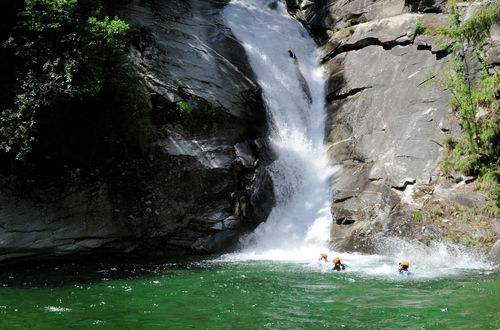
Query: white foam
x=435 y=258
x=57 y=309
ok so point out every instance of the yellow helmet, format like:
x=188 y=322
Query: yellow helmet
x=324 y=255
x=335 y=260
x=405 y=263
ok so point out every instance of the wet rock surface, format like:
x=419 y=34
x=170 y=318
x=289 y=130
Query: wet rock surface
x=198 y=190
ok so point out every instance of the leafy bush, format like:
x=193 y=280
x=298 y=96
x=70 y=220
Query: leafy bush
x=196 y=117
x=417 y=30
x=453 y=11
x=477 y=29
x=184 y=108
x=348 y=32
x=77 y=97
x=495 y=194
x=478 y=151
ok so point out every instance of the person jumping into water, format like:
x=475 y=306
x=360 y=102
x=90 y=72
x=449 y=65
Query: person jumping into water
x=292 y=55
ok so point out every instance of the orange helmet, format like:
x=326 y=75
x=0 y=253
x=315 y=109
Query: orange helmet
x=335 y=260
x=405 y=263
x=324 y=255
x=289 y=49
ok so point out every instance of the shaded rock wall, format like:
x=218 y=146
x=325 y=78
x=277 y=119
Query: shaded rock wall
x=201 y=186
x=388 y=115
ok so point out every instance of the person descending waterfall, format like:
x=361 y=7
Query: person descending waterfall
x=338 y=265
x=292 y=55
x=323 y=257
x=403 y=268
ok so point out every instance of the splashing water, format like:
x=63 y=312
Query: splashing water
x=294 y=95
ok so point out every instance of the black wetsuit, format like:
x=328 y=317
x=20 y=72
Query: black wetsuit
x=292 y=54
x=338 y=267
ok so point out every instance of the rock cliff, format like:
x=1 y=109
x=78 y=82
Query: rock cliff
x=202 y=185
x=388 y=116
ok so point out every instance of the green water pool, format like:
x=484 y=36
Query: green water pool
x=242 y=295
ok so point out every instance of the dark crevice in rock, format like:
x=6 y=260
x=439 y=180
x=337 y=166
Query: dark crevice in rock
x=442 y=53
x=334 y=96
x=406 y=156
x=425 y=6
x=83 y=238
x=360 y=44
x=344 y=221
x=387 y=45
x=342 y=199
x=357 y=159
x=393 y=208
x=424 y=47
x=426 y=80
x=406 y=184
x=25 y=231
x=436 y=142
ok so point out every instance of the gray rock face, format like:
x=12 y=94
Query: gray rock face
x=388 y=114
x=322 y=16
x=387 y=117
x=199 y=190
x=182 y=48
x=58 y=227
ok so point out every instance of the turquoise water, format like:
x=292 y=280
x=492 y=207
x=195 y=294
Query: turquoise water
x=246 y=294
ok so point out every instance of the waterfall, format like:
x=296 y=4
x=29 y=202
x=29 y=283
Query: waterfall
x=293 y=92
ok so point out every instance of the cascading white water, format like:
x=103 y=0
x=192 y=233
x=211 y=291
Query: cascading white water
x=294 y=96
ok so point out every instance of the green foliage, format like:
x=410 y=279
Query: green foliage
x=492 y=208
x=418 y=216
x=333 y=30
x=453 y=11
x=348 y=32
x=473 y=98
x=417 y=30
x=495 y=194
x=477 y=29
x=184 y=108
x=200 y=115
x=478 y=150
x=73 y=77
